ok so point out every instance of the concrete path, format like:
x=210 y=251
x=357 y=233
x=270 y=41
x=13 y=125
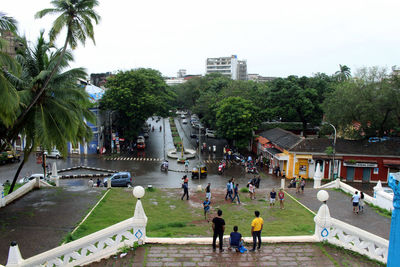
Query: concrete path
x=270 y=255
x=39 y=220
x=341 y=208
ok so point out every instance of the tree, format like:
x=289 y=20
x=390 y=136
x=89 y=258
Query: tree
x=8 y=95
x=297 y=99
x=136 y=95
x=236 y=120
x=60 y=113
x=76 y=16
x=343 y=74
x=366 y=106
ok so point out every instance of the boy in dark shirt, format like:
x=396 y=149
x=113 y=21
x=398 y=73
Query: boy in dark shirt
x=235 y=240
x=272 y=199
x=218 y=227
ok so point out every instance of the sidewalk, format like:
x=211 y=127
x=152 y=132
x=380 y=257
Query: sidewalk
x=341 y=208
x=40 y=219
x=270 y=255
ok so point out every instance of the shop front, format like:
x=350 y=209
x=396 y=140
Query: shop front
x=357 y=171
x=303 y=165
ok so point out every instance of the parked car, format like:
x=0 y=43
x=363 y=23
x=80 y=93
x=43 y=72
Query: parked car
x=193 y=135
x=210 y=133
x=31 y=177
x=146 y=135
x=53 y=154
x=119 y=179
x=374 y=139
x=184 y=121
x=183 y=116
x=140 y=139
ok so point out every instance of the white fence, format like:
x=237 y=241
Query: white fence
x=26 y=188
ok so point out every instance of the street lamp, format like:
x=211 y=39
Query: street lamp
x=111 y=141
x=334 y=148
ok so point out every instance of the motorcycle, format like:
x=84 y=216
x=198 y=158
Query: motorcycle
x=252 y=170
x=221 y=167
x=164 y=167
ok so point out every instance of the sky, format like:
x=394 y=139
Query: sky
x=277 y=38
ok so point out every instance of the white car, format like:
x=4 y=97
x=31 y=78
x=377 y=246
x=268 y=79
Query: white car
x=184 y=121
x=29 y=178
x=53 y=154
x=183 y=116
x=140 y=139
x=210 y=133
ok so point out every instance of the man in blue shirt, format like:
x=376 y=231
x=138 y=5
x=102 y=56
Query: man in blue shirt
x=235 y=240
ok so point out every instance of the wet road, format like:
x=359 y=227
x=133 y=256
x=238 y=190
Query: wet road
x=145 y=165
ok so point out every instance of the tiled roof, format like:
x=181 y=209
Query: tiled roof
x=282 y=138
x=347 y=147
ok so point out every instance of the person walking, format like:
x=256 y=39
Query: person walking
x=236 y=193
x=208 y=191
x=272 y=198
x=251 y=190
x=281 y=197
x=185 y=187
x=186 y=165
x=298 y=182
x=218 y=227
x=229 y=188
x=361 y=202
x=256 y=228
x=355 y=199
x=206 y=206
x=302 y=185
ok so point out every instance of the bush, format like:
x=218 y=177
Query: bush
x=244 y=190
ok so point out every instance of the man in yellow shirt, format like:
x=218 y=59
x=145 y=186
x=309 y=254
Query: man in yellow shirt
x=256 y=228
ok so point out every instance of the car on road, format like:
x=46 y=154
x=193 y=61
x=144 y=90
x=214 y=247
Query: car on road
x=183 y=116
x=53 y=154
x=119 y=179
x=184 y=121
x=193 y=135
x=31 y=177
x=210 y=133
x=146 y=135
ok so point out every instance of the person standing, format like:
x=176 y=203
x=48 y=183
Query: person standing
x=302 y=185
x=185 y=187
x=355 y=199
x=281 y=197
x=256 y=228
x=272 y=198
x=229 y=187
x=251 y=190
x=208 y=191
x=298 y=182
x=206 y=206
x=236 y=193
x=218 y=227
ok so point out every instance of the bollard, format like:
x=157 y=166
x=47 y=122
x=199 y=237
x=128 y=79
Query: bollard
x=109 y=183
x=283 y=183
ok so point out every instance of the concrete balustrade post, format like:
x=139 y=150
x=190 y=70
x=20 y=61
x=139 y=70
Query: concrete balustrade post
x=2 y=196
x=323 y=218
x=14 y=256
x=283 y=183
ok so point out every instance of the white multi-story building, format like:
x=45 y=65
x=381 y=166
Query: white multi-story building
x=228 y=66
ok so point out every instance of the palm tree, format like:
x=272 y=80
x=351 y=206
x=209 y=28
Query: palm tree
x=76 y=16
x=8 y=95
x=343 y=74
x=59 y=114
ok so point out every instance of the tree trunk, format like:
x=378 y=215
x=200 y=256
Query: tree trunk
x=26 y=156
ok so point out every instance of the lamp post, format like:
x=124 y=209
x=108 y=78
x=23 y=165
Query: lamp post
x=111 y=141
x=334 y=150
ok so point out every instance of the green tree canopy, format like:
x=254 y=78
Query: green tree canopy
x=136 y=95
x=236 y=119
x=366 y=106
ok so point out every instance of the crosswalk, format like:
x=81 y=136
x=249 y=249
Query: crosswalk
x=134 y=159
x=207 y=161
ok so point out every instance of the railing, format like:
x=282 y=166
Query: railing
x=358 y=240
x=348 y=189
x=93 y=247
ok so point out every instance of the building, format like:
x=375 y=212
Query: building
x=12 y=44
x=259 y=79
x=355 y=160
x=99 y=79
x=228 y=66
x=181 y=73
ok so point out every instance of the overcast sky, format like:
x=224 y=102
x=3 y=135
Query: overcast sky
x=277 y=38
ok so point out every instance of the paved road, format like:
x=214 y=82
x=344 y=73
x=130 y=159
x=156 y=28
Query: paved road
x=341 y=208
x=310 y=255
x=40 y=219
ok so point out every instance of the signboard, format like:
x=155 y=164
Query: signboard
x=361 y=165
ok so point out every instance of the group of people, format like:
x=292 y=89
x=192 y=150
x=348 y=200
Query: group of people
x=358 y=202
x=298 y=183
x=281 y=197
x=232 y=189
x=236 y=240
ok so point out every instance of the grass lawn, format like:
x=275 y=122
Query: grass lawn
x=169 y=216
x=7 y=188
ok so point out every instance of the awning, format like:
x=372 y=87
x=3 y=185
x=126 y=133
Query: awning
x=361 y=164
x=272 y=151
x=391 y=162
x=282 y=156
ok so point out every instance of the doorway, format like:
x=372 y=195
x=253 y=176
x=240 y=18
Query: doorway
x=366 y=175
x=350 y=174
